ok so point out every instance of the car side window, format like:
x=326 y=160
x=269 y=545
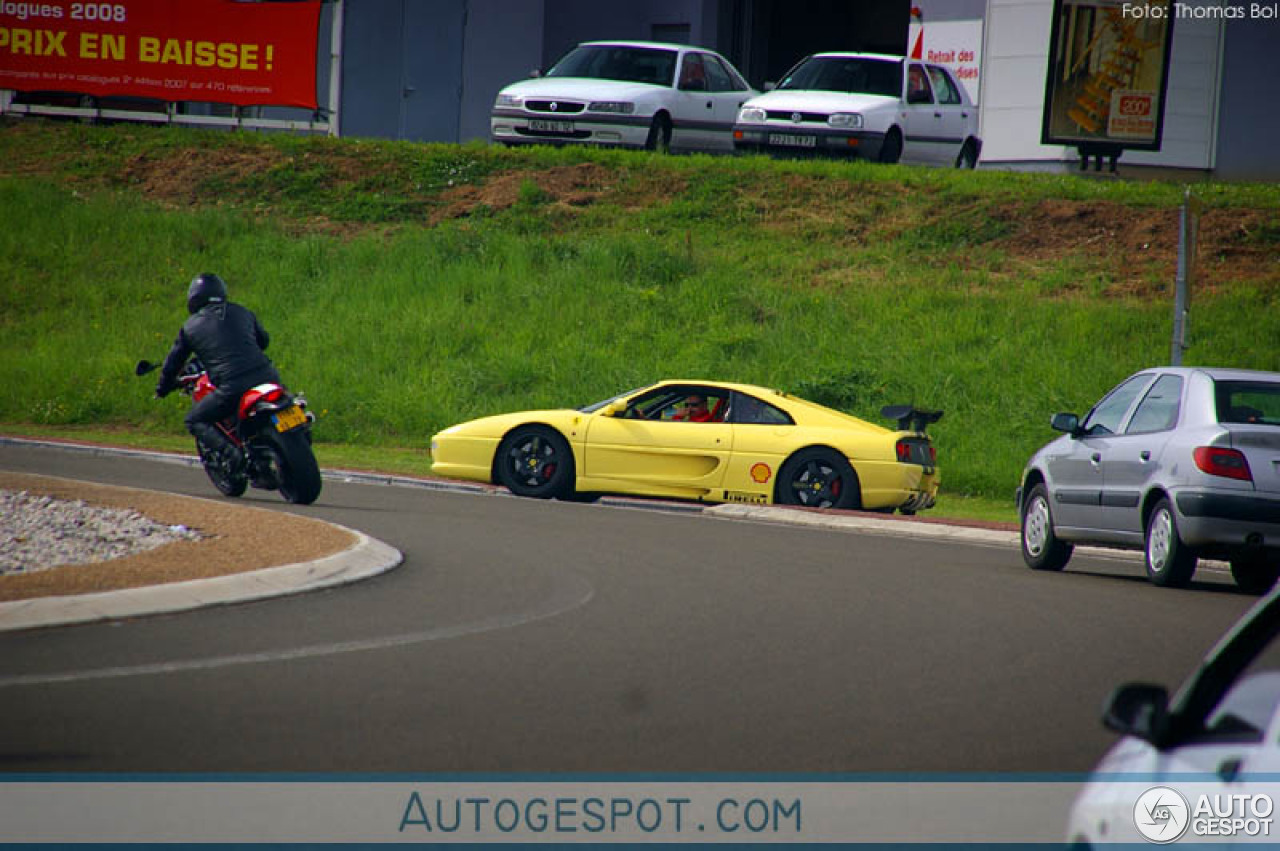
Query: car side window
x=736 y=83
x=748 y=410
x=918 y=90
x=1158 y=411
x=1107 y=415
x=693 y=74
x=718 y=79
x=942 y=85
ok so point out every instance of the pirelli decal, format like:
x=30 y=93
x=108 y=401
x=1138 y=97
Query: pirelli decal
x=742 y=496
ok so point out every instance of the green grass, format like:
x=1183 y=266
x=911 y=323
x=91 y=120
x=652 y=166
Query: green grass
x=401 y=299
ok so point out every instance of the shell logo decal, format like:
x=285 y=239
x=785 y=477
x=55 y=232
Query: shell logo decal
x=760 y=473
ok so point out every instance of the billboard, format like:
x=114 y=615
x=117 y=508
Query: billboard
x=219 y=51
x=1108 y=74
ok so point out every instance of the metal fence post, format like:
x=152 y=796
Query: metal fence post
x=1188 y=230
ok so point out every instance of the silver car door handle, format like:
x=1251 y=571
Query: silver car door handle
x=1145 y=456
x=1230 y=769
x=1095 y=458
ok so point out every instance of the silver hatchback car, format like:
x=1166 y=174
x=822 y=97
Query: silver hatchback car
x=1181 y=462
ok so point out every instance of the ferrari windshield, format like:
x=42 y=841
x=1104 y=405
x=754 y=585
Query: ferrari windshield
x=618 y=62
x=595 y=406
x=846 y=74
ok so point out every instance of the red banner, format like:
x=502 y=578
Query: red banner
x=221 y=51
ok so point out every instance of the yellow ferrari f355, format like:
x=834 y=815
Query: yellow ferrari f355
x=703 y=441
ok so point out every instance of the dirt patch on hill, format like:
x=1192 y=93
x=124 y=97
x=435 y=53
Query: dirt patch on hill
x=572 y=186
x=1133 y=248
x=1142 y=242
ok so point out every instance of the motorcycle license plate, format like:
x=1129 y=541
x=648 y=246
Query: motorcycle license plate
x=289 y=418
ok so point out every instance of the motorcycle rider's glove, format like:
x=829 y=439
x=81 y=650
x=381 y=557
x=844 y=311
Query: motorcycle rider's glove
x=164 y=387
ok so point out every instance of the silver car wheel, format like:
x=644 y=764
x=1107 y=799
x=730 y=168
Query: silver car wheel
x=1158 y=540
x=1035 y=526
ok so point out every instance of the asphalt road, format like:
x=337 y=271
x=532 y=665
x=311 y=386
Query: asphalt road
x=539 y=636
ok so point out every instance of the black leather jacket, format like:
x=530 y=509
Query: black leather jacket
x=228 y=339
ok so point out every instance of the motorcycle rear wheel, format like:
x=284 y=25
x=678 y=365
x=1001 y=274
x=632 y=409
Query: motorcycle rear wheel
x=300 y=480
x=228 y=481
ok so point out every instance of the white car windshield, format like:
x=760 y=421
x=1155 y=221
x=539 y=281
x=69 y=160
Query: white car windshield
x=615 y=62
x=846 y=74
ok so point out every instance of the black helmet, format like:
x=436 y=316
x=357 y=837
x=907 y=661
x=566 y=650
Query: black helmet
x=205 y=289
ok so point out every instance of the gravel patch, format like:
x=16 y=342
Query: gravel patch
x=38 y=532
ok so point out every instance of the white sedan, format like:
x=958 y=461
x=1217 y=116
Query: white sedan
x=629 y=94
x=1202 y=765
x=865 y=105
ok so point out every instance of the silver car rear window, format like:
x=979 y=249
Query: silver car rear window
x=1248 y=402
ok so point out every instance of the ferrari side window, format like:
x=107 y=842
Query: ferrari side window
x=752 y=411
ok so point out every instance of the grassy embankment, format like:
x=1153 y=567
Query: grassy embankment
x=408 y=287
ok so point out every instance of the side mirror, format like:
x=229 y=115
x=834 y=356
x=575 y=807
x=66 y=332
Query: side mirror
x=615 y=408
x=145 y=366
x=535 y=74
x=1138 y=709
x=1068 y=423
x=769 y=86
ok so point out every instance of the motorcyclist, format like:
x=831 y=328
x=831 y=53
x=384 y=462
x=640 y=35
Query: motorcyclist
x=229 y=341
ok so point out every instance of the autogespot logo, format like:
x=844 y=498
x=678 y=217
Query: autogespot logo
x=1162 y=815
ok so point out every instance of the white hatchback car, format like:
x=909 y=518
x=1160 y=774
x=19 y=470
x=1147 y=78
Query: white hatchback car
x=629 y=94
x=865 y=105
x=1201 y=766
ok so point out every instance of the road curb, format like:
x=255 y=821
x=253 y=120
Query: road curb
x=366 y=558
x=862 y=523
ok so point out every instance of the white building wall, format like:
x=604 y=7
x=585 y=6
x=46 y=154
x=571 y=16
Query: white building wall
x=1191 y=113
x=1015 y=60
x=1015 y=56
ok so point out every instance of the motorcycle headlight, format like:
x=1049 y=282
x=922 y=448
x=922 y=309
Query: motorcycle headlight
x=618 y=107
x=848 y=120
x=752 y=115
x=509 y=100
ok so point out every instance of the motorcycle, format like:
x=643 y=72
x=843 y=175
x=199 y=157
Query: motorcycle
x=272 y=428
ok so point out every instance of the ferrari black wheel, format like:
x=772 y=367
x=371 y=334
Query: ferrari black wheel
x=535 y=461
x=818 y=478
x=227 y=477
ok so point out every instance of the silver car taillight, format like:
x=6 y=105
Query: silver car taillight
x=1228 y=463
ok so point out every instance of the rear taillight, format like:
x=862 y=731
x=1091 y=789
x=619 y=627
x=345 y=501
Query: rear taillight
x=1228 y=463
x=916 y=452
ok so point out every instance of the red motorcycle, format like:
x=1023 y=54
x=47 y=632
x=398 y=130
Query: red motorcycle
x=273 y=430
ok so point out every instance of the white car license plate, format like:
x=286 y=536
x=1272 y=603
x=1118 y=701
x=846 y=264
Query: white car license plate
x=792 y=140
x=551 y=126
